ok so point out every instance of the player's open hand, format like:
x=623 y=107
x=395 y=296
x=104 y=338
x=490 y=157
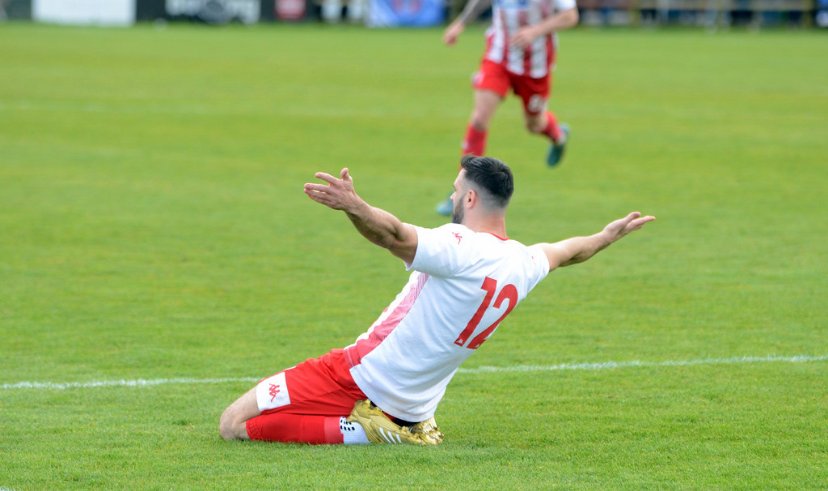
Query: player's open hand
x=523 y=37
x=630 y=223
x=338 y=193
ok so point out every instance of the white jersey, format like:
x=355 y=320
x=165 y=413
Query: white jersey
x=510 y=15
x=464 y=283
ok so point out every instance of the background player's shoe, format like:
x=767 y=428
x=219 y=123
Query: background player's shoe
x=380 y=429
x=445 y=207
x=556 y=150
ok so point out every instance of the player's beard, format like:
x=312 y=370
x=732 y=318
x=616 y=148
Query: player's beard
x=458 y=212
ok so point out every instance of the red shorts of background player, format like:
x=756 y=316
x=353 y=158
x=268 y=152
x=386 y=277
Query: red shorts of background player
x=316 y=387
x=532 y=91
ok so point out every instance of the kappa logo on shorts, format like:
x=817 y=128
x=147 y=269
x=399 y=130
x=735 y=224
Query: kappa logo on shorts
x=273 y=392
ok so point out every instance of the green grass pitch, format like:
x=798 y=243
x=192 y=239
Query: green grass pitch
x=153 y=226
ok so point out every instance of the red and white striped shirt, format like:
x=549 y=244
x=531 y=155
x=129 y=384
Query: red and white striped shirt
x=508 y=16
x=464 y=283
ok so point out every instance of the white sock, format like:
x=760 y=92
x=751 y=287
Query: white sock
x=352 y=433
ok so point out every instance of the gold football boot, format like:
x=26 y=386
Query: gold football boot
x=380 y=429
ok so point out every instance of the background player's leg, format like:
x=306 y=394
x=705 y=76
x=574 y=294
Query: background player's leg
x=544 y=123
x=485 y=105
x=540 y=121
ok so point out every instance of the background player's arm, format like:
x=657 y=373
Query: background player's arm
x=377 y=225
x=578 y=249
x=472 y=10
x=554 y=23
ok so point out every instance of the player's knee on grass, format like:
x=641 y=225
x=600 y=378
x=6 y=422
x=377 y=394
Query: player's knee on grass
x=232 y=424
x=231 y=427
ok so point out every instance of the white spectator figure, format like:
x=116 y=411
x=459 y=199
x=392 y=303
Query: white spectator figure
x=332 y=10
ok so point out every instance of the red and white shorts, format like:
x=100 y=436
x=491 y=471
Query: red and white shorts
x=533 y=92
x=316 y=387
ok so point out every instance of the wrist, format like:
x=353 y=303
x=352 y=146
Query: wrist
x=358 y=209
x=606 y=238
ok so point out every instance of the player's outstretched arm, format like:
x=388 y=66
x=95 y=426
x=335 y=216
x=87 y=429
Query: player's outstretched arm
x=578 y=249
x=472 y=10
x=554 y=23
x=377 y=225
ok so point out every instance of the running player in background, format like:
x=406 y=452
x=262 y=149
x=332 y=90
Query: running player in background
x=520 y=55
x=466 y=277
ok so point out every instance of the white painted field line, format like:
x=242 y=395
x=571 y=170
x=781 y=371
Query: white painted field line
x=607 y=365
x=637 y=363
x=122 y=383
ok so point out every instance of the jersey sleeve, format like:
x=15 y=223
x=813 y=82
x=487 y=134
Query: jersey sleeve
x=540 y=263
x=441 y=251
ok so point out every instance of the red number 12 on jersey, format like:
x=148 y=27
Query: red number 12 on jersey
x=509 y=292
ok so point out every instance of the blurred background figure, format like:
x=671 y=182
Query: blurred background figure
x=521 y=44
x=822 y=13
x=332 y=10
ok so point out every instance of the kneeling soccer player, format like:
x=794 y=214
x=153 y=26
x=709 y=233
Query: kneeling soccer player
x=466 y=278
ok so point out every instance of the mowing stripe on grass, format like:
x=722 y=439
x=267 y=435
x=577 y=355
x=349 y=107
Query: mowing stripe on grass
x=516 y=368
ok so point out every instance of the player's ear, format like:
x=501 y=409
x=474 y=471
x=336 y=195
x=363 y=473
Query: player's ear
x=471 y=197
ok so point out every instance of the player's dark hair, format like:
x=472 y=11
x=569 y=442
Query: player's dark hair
x=491 y=175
